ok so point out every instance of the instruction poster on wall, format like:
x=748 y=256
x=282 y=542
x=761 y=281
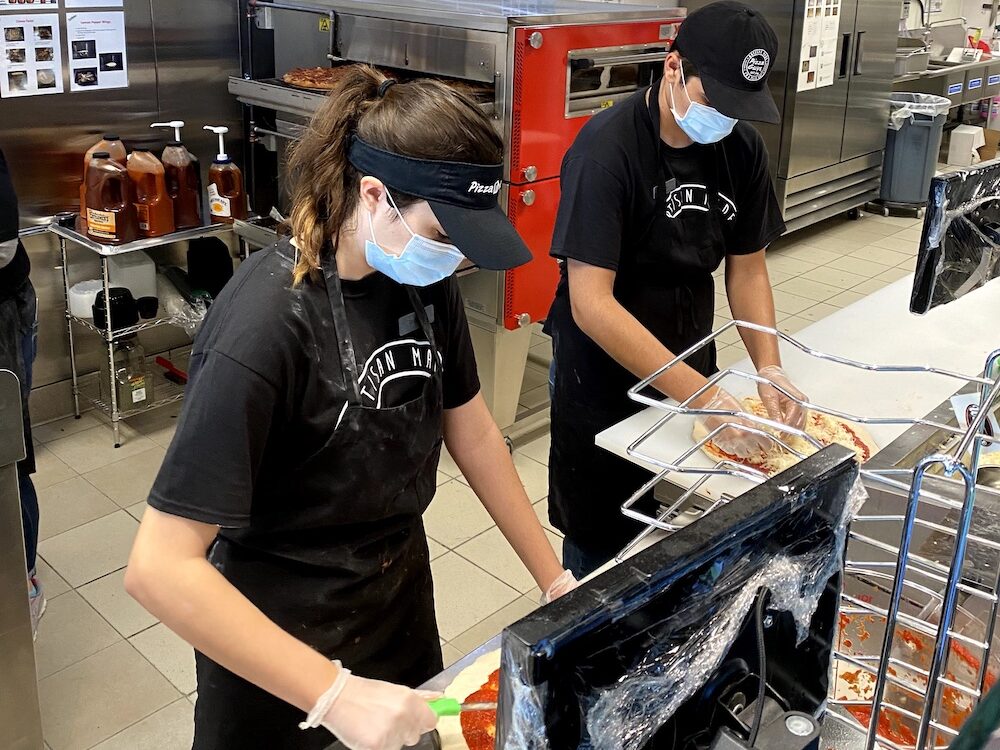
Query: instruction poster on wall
x=27 y=4
x=31 y=55
x=97 y=51
x=820 y=34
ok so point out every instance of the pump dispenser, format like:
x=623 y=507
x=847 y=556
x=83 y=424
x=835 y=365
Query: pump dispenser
x=227 y=198
x=183 y=176
x=153 y=205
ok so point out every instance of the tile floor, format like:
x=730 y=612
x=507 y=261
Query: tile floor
x=112 y=678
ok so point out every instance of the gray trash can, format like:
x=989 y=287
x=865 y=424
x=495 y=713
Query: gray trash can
x=916 y=123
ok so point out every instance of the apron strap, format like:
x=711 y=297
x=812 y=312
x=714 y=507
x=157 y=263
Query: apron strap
x=348 y=361
x=421 y=312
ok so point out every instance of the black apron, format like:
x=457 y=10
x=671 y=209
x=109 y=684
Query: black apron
x=356 y=579
x=588 y=484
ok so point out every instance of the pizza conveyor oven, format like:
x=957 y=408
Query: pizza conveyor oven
x=543 y=68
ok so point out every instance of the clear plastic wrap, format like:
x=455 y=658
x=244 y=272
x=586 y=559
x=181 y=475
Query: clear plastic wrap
x=960 y=248
x=627 y=715
x=907 y=105
x=172 y=304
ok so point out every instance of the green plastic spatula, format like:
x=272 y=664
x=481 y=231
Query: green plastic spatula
x=452 y=707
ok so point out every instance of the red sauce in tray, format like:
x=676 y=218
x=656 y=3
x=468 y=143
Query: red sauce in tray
x=890 y=725
x=480 y=727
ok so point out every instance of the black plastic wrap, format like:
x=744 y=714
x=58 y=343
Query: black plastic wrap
x=642 y=657
x=960 y=245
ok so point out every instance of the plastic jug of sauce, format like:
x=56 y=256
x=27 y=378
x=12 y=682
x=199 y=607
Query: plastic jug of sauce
x=183 y=174
x=111 y=215
x=114 y=146
x=227 y=197
x=153 y=206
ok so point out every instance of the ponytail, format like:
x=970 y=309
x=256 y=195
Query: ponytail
x=424 y=119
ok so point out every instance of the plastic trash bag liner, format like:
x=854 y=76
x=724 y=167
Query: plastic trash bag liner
x=649 y=654
x=907 y=105
x=960 y=244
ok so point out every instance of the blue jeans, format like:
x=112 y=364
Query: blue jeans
x=19 y=331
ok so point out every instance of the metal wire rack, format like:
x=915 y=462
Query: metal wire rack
x=927 y=672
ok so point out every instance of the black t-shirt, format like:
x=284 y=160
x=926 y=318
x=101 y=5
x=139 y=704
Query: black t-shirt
x=266 y=384
x=608 y=179
x=663 y=219
x=15 y=273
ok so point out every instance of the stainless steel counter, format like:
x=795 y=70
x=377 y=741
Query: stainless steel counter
x=20 y=719
x=961 y=84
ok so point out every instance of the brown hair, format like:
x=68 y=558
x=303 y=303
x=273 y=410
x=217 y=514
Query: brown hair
x=424 y=119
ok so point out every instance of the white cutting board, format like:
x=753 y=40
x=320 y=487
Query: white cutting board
x=878 y=330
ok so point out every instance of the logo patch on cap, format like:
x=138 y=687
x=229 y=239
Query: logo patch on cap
x=756 y=65
x=478 y=187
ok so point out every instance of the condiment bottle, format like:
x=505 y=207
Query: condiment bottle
x=227 y=199
x=183 y=175
x=153 y=206
x=114 y=146
x=133 y=381
x=111 y=216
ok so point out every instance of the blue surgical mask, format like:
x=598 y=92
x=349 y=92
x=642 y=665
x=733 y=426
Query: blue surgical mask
x=423 y=261
x=701 y=123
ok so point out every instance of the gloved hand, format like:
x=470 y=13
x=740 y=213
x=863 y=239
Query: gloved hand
x=373 y=715
x=779 y=407
x=734 y=441
x=559 y=587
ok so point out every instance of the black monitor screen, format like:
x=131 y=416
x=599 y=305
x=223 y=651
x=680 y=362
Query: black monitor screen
x=960 y=245
x=662 y=650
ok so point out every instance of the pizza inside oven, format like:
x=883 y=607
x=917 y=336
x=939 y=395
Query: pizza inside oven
x=326 y=79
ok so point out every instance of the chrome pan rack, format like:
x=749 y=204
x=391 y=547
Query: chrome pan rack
x=916 y=604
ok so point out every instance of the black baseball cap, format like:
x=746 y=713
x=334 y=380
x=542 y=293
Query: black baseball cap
x=734 y=49
x=462 y=196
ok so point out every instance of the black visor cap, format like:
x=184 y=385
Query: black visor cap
x=462 y=196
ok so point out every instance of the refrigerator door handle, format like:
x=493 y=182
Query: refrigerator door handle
x=845 y=54
x=859 y=54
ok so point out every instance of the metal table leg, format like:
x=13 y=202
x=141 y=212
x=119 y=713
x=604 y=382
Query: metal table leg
x=69 y=329
x=109 y=339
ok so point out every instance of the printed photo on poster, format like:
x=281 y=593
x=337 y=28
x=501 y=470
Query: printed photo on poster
x=23 y=5
x=98 y=59
x=30 y=55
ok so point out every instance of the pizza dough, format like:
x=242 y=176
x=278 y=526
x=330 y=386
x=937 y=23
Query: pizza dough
x=823 y=427
x=468 y=681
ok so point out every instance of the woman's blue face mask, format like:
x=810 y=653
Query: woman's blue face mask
x=701 y=123
x=423 y=261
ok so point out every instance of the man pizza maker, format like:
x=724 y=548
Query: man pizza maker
x=657 y=192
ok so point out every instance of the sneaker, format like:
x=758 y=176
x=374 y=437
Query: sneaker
x=37 y=603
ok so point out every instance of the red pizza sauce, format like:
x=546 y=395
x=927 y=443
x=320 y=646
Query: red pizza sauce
x=480 y=727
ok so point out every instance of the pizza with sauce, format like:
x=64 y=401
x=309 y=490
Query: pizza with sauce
x=473 y=730
x=823 y=427
x=314 y=79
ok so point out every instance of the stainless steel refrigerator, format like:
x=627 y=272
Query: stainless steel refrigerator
x=826 y=155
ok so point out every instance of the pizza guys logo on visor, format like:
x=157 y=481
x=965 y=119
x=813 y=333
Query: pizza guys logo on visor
x=756 y=65
x=478 y=187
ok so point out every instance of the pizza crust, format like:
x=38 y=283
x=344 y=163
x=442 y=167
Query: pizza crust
x=468 y=681
x=823 y=427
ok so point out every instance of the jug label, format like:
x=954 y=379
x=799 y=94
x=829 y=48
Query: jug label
x=138 y=387
x=220 y=205
x=143 y=211
x=101 y=224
